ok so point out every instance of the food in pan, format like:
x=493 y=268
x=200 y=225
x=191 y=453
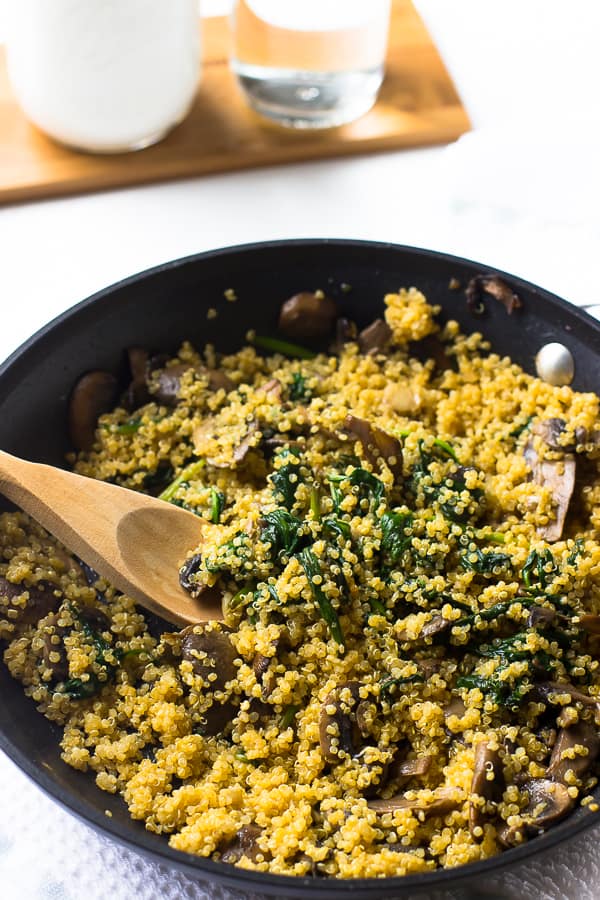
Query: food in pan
x=404 y=534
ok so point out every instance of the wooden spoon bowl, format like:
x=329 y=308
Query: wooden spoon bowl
x=136 y=542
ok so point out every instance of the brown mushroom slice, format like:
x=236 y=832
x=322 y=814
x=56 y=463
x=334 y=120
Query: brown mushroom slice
x=260 y=664
x=487 y=782
x=566 y=755
x=248 y=443
x=558 y=476
x=338 y=729
x=42 y=598
x=166 y=385
x=211 y=594
x=377 y=769
x=402 y=772
x=544 y=690
x=345 y=332
x=443 y=801
x=309 y=314
x=94 y=394
x=216 y=718
x=245 y=843
x=53 y=650
x=260 y=667
x=540 y=615
x=219 y=381
x=375 y=337
x=585 y=437
x=211 y=653
x=590 y=623
x=456 y=707
x=436 y=625
x=273 y=389
x=432 y=349
x=551 y=431
x=376 y=443
x=494 y=286
x=548 y=803
x=428 y=667
x=137 y=393
x=220 y=445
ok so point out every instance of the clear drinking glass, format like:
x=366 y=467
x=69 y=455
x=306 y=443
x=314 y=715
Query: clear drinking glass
x=310 y=63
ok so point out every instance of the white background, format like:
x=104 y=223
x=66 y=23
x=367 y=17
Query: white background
x=520 y=193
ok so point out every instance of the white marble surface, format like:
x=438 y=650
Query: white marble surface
x=520 y=193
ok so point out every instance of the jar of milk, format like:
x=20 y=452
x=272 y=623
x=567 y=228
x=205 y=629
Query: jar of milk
x=104 y=75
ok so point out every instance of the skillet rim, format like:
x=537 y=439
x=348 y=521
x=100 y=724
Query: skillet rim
x=232 y=876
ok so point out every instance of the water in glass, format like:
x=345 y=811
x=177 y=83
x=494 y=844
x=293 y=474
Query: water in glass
x=310 y=63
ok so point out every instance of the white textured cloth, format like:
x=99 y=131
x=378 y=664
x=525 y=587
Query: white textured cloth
x=47 y=854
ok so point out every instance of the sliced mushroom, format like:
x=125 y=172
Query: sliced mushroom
x=248 y=443
x=544 y=690
x=549 y=801
x=273 y=389
x=165 y=389
x=585 y=437
x=94 y=394
x=436 y=625
x=345 y=332
x=42 y=598
x=165 y=386
x=402 y=770
x=495 y=287
x=456 y=707
x=190 y=568
x=53 y=651
x=245 y=843
x=432 y=349
x=209 y=593
x=566 y=756
x=260 y=667
x=428 y=667
x=307 y=315
x=590 y=623
x=376 y=769
x=376 y=443
x=487 y=782
x=211 y=654
x=551 y=432
x=216 y=718
x=218 y=380
x=443 y=801
x=93 y=617
x=375 y=337
x=558 y=476
x=235 y=442
x=339 y=734
x=541 y=615
x=137 y=393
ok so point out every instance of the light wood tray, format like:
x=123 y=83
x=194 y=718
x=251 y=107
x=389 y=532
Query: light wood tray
x=418 y=105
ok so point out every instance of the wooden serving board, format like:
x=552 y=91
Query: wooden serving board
x=418 y=105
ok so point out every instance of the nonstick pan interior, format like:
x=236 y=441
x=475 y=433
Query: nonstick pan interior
x=160 y=308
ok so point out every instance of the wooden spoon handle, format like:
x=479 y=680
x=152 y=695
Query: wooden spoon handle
x=83 y=512
x=134 y=541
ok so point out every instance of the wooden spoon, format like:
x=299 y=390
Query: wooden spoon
x=136 y=542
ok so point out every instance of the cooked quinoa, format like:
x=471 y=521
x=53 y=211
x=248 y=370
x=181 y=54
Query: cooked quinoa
x=404 y=534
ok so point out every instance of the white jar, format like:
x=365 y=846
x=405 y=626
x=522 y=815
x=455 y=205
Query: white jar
x=104 y=75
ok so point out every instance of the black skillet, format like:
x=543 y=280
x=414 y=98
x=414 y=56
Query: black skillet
x=160 y=308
